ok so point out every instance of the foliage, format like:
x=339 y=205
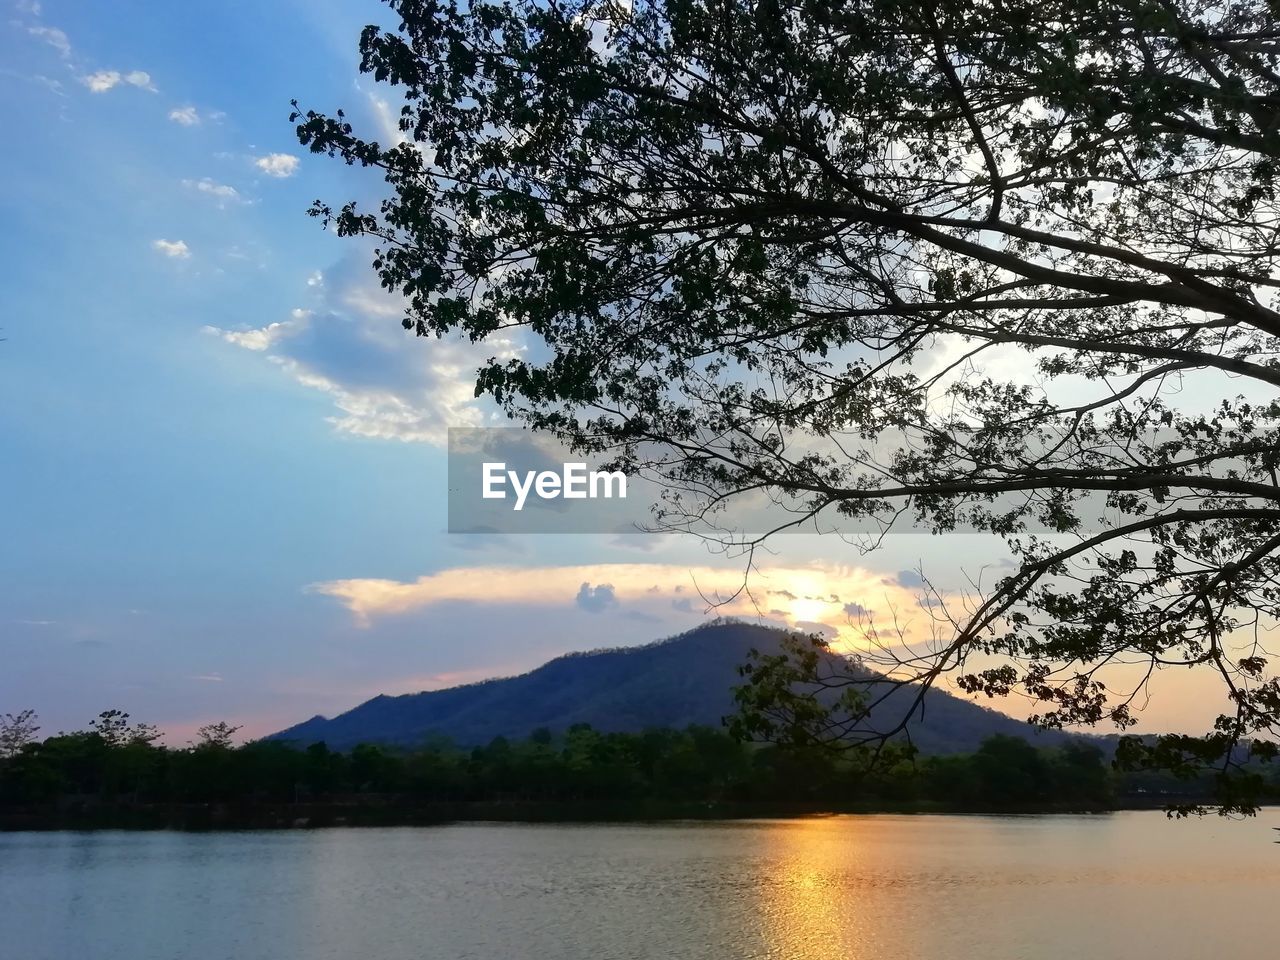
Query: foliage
x=575 y=767
x=798 y=247
x=218 y=734
x=114 y=728
x=16 y=731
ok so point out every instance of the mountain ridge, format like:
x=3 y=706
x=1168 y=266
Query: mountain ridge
x=674 y=682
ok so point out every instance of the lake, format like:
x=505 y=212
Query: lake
x=1129 y=884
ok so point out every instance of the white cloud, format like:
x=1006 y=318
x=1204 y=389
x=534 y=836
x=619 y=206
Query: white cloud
x=277 y=164
x=140 y=78
x=173 y=248
x=388 y=119
x=384 y=383
x=386 y=414
x=264 y=337
x=54 y=38
x=221 y=192
x=187 y=116
x=104 y=80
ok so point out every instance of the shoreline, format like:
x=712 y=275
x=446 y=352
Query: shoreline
x=200 y=818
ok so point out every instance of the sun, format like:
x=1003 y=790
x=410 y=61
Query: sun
x=806 y=608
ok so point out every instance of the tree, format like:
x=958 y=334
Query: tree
x=16 y=731
x=114 y=728
x=218 y=735
x=1010 y=770
x=788 y=247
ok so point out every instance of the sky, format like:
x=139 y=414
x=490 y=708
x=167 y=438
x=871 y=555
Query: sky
x=222 y=473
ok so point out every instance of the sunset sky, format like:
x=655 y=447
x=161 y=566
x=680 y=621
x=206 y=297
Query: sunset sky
x=222 y=472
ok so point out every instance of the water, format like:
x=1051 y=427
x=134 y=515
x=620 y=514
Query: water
x=1130 y=885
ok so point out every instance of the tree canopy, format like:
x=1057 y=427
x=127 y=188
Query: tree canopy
x=85 y=779
x=881 y=259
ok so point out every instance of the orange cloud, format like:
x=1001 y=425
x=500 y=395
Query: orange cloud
x=797 y=594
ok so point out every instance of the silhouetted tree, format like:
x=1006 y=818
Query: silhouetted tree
x=778 y=247
x=16 y=731
x=217 y=734
x=657 y=772
x=114 y=728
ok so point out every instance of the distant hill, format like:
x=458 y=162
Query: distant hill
x=671 y=683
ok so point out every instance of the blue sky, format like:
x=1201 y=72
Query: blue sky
x=222 y=490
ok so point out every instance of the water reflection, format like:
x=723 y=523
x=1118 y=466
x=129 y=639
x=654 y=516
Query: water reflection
x=805 y=905
x=905 y=888
x=854 y=888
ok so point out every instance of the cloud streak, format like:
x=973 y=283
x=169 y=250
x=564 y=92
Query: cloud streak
x=819 y=594
x=54 y=38
x=221 y=192
x=262 y=338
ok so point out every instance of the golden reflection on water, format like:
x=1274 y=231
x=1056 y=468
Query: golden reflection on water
x=921 y=888
x=807 y=912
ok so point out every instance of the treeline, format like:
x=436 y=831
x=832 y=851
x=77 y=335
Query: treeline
x=116 y=767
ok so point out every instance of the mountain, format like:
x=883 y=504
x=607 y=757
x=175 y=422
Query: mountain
x=670 y=683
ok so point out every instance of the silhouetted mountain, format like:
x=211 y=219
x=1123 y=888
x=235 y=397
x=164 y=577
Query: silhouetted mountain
x=672 y=683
